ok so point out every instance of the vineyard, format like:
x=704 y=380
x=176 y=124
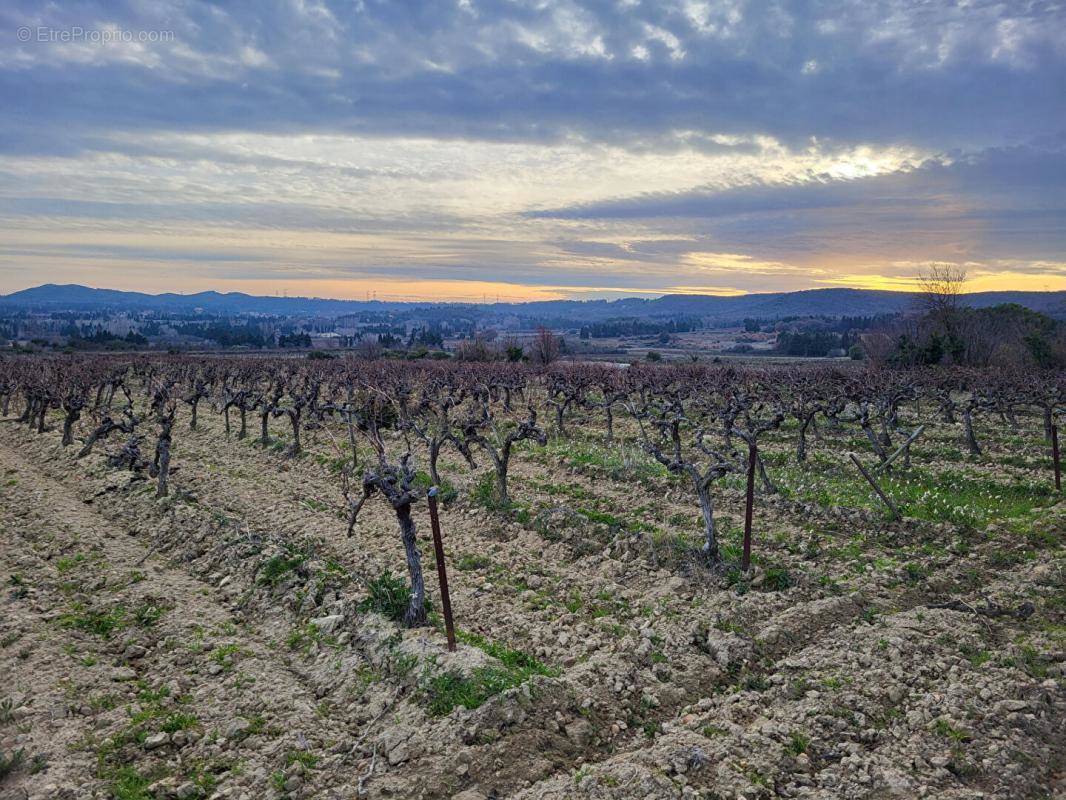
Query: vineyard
x=668 y=581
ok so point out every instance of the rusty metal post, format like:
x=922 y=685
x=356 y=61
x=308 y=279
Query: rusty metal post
x=753 y=454
x=1055 y=457
x=442 y=570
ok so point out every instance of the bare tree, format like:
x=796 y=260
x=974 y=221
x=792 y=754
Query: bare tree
x=545 y=347
x=475 y=349
x=370 y=349
x=942 y=285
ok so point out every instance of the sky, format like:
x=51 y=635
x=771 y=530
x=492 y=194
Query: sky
x=511 y=150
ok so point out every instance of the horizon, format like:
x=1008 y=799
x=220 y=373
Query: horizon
x=564 y=150
x=427 y=301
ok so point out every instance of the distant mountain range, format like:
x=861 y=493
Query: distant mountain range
x=774 y=305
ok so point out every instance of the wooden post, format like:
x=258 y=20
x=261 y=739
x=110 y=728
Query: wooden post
x=900 y=449
x=1055 y=457
x=880 y=493
x=750 y=505
x=442 y=573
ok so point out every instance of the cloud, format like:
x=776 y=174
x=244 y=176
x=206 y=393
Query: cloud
x=884 y=70
x=993 y=204
x=570 y=146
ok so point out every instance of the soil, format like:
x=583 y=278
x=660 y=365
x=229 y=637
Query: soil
x=214 y=643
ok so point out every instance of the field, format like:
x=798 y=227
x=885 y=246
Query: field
x=223 y=636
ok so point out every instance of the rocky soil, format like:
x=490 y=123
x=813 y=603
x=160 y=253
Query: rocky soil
x=215 y=643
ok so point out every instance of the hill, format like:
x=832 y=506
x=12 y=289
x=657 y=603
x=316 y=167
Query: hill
x=773 y=305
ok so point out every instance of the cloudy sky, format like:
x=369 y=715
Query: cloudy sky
x=501 y=148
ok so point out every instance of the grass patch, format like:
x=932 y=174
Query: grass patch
x=602 y=518
x=153 y=713
x=798 y=742
x=388 y=595
x=469 y=562
x=777 y=579
x=1035 y=664
x=304 y=637
x=9 y=763
x=484 y=493
x=309 y=760
x=618 y=461
x=277 y=567
x=178 y=721
x=314 y=504
x=944 y=728
x=224 y=655
x=104 y=622
x=129 y=784
x=68 y=563
x=98 y=622
x=952 y=495
x=451 y=689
